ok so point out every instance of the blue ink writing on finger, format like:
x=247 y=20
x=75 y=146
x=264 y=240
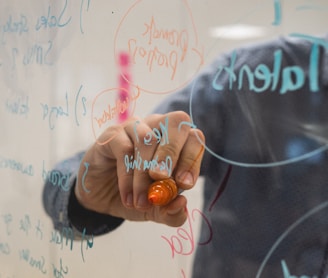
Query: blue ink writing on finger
x=156 y=135
x=187 y=124
x=161 y=136
x=140 y=164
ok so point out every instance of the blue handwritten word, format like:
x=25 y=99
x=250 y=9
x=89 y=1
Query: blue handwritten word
x=292 y=77
x=81 y=17
x=25 y=255
x=52 y=113
x=4 y=248
x=56 y=178
x=139 y=163
x=52 y=21
x=38 y=54
x=58 y=238
x=61 y=271
x=18 y=105
x=8 y=218
x=14 y=26
x=89 y=242
x=111 y=112
x=25 y=224
x=160 y=136
x=16 y=166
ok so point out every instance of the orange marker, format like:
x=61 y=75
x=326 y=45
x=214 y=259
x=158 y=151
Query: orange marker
x=161 y=192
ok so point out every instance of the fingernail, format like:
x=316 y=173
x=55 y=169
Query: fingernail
x=186 y=178
x=129 y=200
x=163 y=171
x=142 y=201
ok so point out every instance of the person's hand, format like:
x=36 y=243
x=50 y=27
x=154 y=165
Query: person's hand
x=114 y=177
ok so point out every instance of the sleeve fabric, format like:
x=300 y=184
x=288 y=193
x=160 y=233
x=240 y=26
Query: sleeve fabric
x=233 y=121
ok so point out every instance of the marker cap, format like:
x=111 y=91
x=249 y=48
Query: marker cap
x=161 y=192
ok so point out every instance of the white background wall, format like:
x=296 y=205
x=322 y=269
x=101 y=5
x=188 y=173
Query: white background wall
x=67 y=66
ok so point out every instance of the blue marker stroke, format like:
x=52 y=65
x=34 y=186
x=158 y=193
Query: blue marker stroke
x=312 y=7
x=86 y=165
x=277 y=12
x=81 y=8
x=186 y=123
x=288 y=231
x=76 y=104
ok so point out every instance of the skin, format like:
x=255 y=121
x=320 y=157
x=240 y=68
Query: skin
x=108 y=187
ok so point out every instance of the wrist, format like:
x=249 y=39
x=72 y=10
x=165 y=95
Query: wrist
x=92 y=222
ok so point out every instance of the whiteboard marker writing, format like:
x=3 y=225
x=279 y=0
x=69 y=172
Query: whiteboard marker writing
x=161 y=192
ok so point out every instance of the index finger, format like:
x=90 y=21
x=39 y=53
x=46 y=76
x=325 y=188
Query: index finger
x=174 y=135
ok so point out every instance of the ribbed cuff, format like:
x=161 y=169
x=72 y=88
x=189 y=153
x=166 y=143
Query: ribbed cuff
x=92 y=222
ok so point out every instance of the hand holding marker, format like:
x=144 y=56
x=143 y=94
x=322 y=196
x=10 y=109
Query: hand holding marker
x=162 y=192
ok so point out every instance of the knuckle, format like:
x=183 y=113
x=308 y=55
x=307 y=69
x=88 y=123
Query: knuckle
x=180 y=116
x=197 y=134
x=172 y=150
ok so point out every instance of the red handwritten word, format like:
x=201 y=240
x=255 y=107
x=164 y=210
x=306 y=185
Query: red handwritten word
x=111 y=112
x=161 y=49
x=185 y=236
x=161 y=57
x=103 y=113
